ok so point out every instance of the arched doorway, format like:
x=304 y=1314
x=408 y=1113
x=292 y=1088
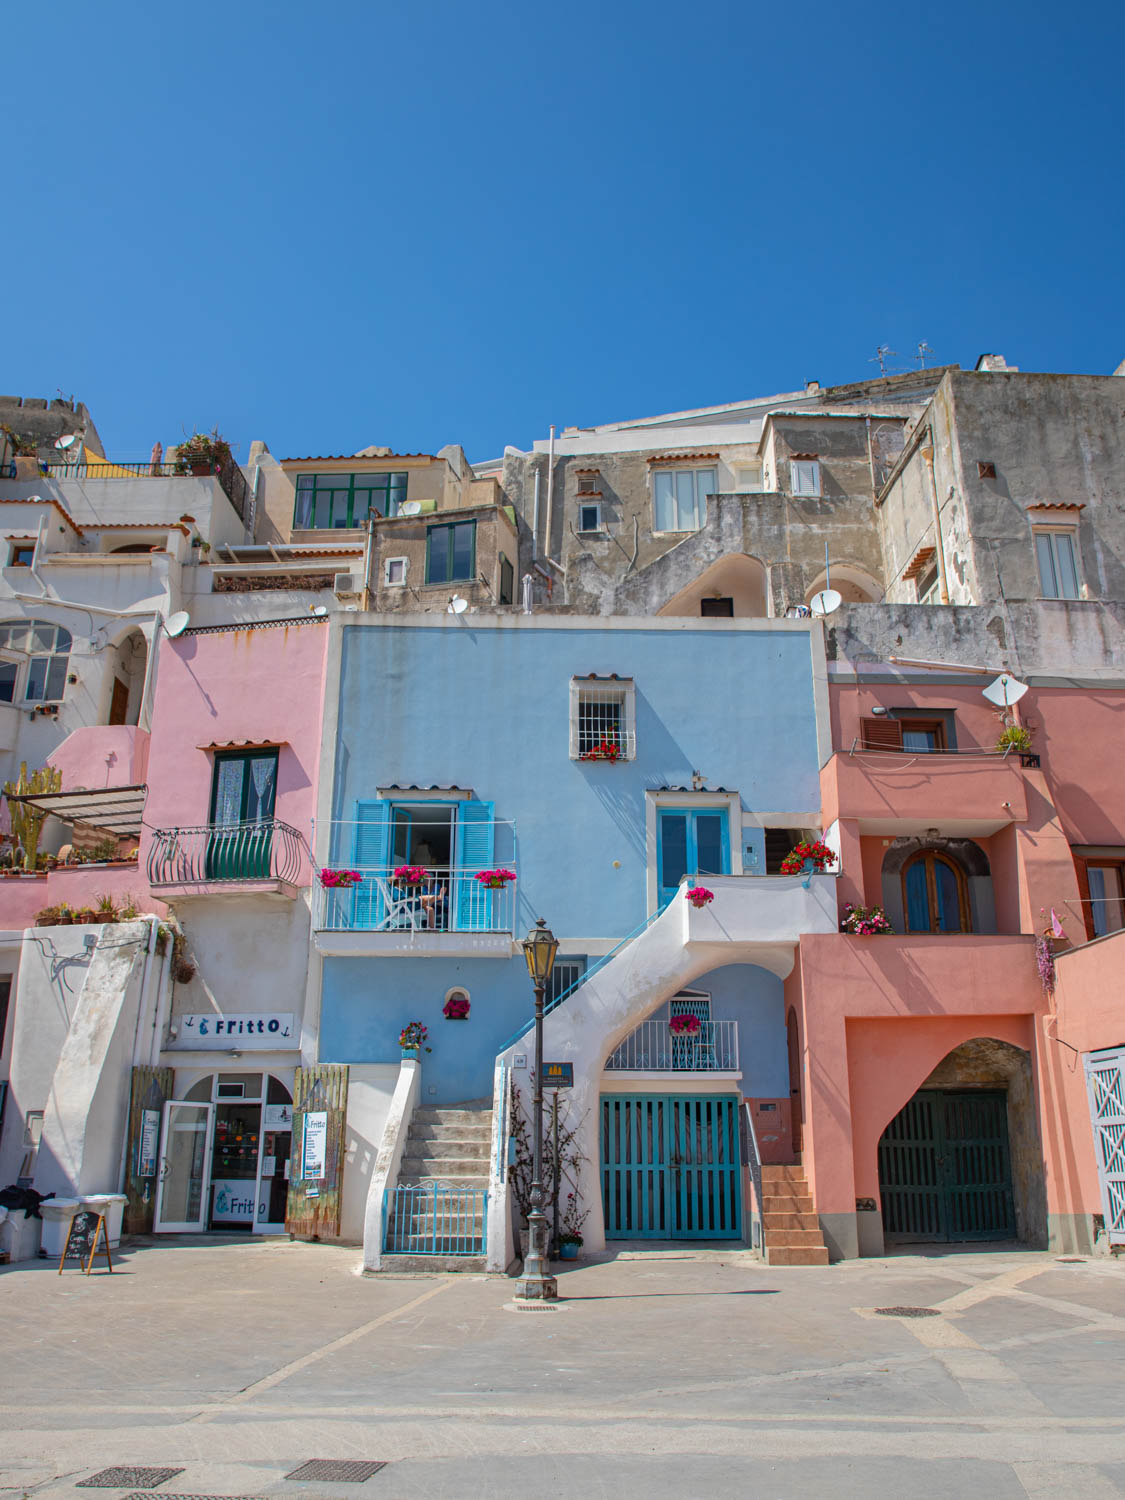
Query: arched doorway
x=224 y=1156
x=734 y=587
x=936 y=884
x=127 y=678
x=961 y=1160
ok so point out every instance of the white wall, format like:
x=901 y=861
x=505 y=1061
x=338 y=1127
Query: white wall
x=370 y=1089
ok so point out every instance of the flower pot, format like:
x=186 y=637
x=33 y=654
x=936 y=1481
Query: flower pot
x=568 y=1250
x=495 y=885
x=199 y=467
x=410 y=1052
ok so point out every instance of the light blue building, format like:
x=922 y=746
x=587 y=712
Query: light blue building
x=596 y=763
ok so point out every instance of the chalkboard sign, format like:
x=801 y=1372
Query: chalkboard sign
x=87 y=1237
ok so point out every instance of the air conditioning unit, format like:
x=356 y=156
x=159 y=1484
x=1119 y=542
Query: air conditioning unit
x=345 y=585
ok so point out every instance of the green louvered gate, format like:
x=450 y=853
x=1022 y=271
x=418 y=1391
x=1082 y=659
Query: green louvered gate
x=944 y=1168
x=670 y=1167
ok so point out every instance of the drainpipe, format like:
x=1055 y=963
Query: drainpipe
x=535 y=515
x=368 y=551
x=550 y=493
x=927 y=452
x=33 y=570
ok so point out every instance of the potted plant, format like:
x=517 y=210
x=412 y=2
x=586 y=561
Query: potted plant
x=340 y=879
x=456 y=1008
x=410 y=876
x=203 y=453
x=685 y=1025
x=570 y=1232
x=606 y=749
x=412 y=1038
x=495 y=880
x=106 y=909
x=864 y=921
x=1015 y=739
x=809 y=854
x=65 y=915
x=699 y=896
x=47 y=917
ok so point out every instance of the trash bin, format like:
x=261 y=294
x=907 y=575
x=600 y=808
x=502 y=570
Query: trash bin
x=113 y=1206
x=57 y=1214
x=19 y=1236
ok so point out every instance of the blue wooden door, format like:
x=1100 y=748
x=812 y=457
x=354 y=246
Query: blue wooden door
x=670 y=1167
x=691 y=842
x=472 y=901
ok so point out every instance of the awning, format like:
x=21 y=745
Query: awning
x=114 y=809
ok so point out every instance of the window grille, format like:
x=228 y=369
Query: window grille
x=601 y=719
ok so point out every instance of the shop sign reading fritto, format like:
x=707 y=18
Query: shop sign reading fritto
x=265 y=1029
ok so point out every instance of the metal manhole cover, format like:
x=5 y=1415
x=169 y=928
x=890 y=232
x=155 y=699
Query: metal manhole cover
x=909 y=1312
x=337 y=1471
x=128 y=1479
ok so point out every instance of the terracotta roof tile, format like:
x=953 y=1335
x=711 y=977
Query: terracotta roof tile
x=919 y=562
x=356 y=458
x=679 y=458
x=1058 y=505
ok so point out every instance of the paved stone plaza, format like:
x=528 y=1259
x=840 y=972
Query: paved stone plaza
x=668 y=1372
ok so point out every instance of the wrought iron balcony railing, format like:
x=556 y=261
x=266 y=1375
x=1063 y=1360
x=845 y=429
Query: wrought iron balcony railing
x=230 y=476
x=655 y=1048
x=225 y=854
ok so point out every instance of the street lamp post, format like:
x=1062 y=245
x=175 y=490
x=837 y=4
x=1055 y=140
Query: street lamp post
x=537 y=1283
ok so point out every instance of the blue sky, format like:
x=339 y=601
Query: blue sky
x=428 y=222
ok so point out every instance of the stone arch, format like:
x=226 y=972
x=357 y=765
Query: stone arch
x=990 y=1063
x=736 y=576
x=855 y=585
x=969 y=858
x=127 y=657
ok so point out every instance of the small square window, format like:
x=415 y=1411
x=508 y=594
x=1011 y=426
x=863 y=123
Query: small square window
x=590 y=517
x=805 y=476
x=394 y=572
x=22 y=555
x=602 y=717
x=748 y=479
x=588 y=483
x=926 y=585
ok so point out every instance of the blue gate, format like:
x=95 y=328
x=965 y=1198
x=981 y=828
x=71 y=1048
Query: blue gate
x=670 y=1167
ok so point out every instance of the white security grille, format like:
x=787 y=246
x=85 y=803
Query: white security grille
x=1105 y=1081
x=601 y=721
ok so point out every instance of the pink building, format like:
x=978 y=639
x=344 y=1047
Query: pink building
x=938 y=1082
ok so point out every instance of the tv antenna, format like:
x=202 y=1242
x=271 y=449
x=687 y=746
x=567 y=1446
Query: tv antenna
x=924 y=351
x=456 y=605
x=828 y=600
x=881 y=356
x=176 y=624
x=1005 y=691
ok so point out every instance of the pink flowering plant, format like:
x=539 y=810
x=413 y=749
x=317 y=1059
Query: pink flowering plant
x=495 y=877
x=864 y=921
x=410 y=874
x=812 y=849
x=688 y=1025
x=332 y=879
x=413 y=1034
x=700 y=896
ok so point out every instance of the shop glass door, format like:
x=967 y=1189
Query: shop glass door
x=181 y=1199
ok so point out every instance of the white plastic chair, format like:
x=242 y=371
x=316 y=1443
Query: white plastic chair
x=402 y=911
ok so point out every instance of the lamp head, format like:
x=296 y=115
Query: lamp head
x=539 y=948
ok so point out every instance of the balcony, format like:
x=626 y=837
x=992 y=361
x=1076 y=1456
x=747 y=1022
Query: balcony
x=654 y=1048
x=231 y=479
x=452 y=913
x=759 y=918
x=246 y=858
x=897 y=792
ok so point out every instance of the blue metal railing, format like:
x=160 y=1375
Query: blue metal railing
x=435 y=1218
x=582 y=979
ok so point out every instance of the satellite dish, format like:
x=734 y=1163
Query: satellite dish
x=410 y=508
x=456 y=605
x=176 y=624
x=319 y=610
x=826 y=602
x=66 y=440
x=1005 y=691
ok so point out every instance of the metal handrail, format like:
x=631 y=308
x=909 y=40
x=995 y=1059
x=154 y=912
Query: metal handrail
x=225 y=854
x=653 y=1047
x=230 y=476
x=435 y=1218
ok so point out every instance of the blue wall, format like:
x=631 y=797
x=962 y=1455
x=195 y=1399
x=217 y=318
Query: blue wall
x=489 y=709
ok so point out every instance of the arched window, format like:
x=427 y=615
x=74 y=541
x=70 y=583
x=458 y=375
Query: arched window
x=42 y=655
x=935 y=895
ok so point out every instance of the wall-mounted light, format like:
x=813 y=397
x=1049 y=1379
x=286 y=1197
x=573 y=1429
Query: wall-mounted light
x=879 y=711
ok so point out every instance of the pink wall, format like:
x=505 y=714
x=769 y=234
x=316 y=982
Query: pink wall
x=1090 y=995
x=102 y=755
x=78 y=886
x=233 y=686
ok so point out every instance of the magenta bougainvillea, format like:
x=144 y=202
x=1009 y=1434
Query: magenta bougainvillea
x=815 y=850
x=700 y=896
x=865 y=921
x=688 y=1025
x=331 y=878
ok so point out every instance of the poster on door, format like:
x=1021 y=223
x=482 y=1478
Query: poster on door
x=147 y=1143
x=233 y=1200
x=315 y=1147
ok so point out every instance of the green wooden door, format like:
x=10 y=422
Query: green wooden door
x=945 y=1170
x=243 y=793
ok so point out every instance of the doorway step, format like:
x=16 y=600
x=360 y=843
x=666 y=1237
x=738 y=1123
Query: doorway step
x=444 y=1171
x=790 y=1229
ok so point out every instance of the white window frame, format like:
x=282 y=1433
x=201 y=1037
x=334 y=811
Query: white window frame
x=756 y=487
x=1050 y=534
x=27 y=653
x=596 y=507
x=804 y=477
x=588 y=690
x=654 y=801
x=699 y=497
x=390 y=582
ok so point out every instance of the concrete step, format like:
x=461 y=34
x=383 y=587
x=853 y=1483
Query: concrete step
x=442 y=1166
x=797 y=1255
x=452 y=1117
x=783 y=1172
x=786 y=1205
x=774 y=1220
x=793 y=1239
x=451 y=1131
x=432 y=1263
x=444 y=1145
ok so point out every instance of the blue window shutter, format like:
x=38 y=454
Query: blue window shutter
x=475 y=851
x=370 y=851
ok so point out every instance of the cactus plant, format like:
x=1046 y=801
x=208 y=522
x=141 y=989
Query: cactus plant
x=27 y=822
